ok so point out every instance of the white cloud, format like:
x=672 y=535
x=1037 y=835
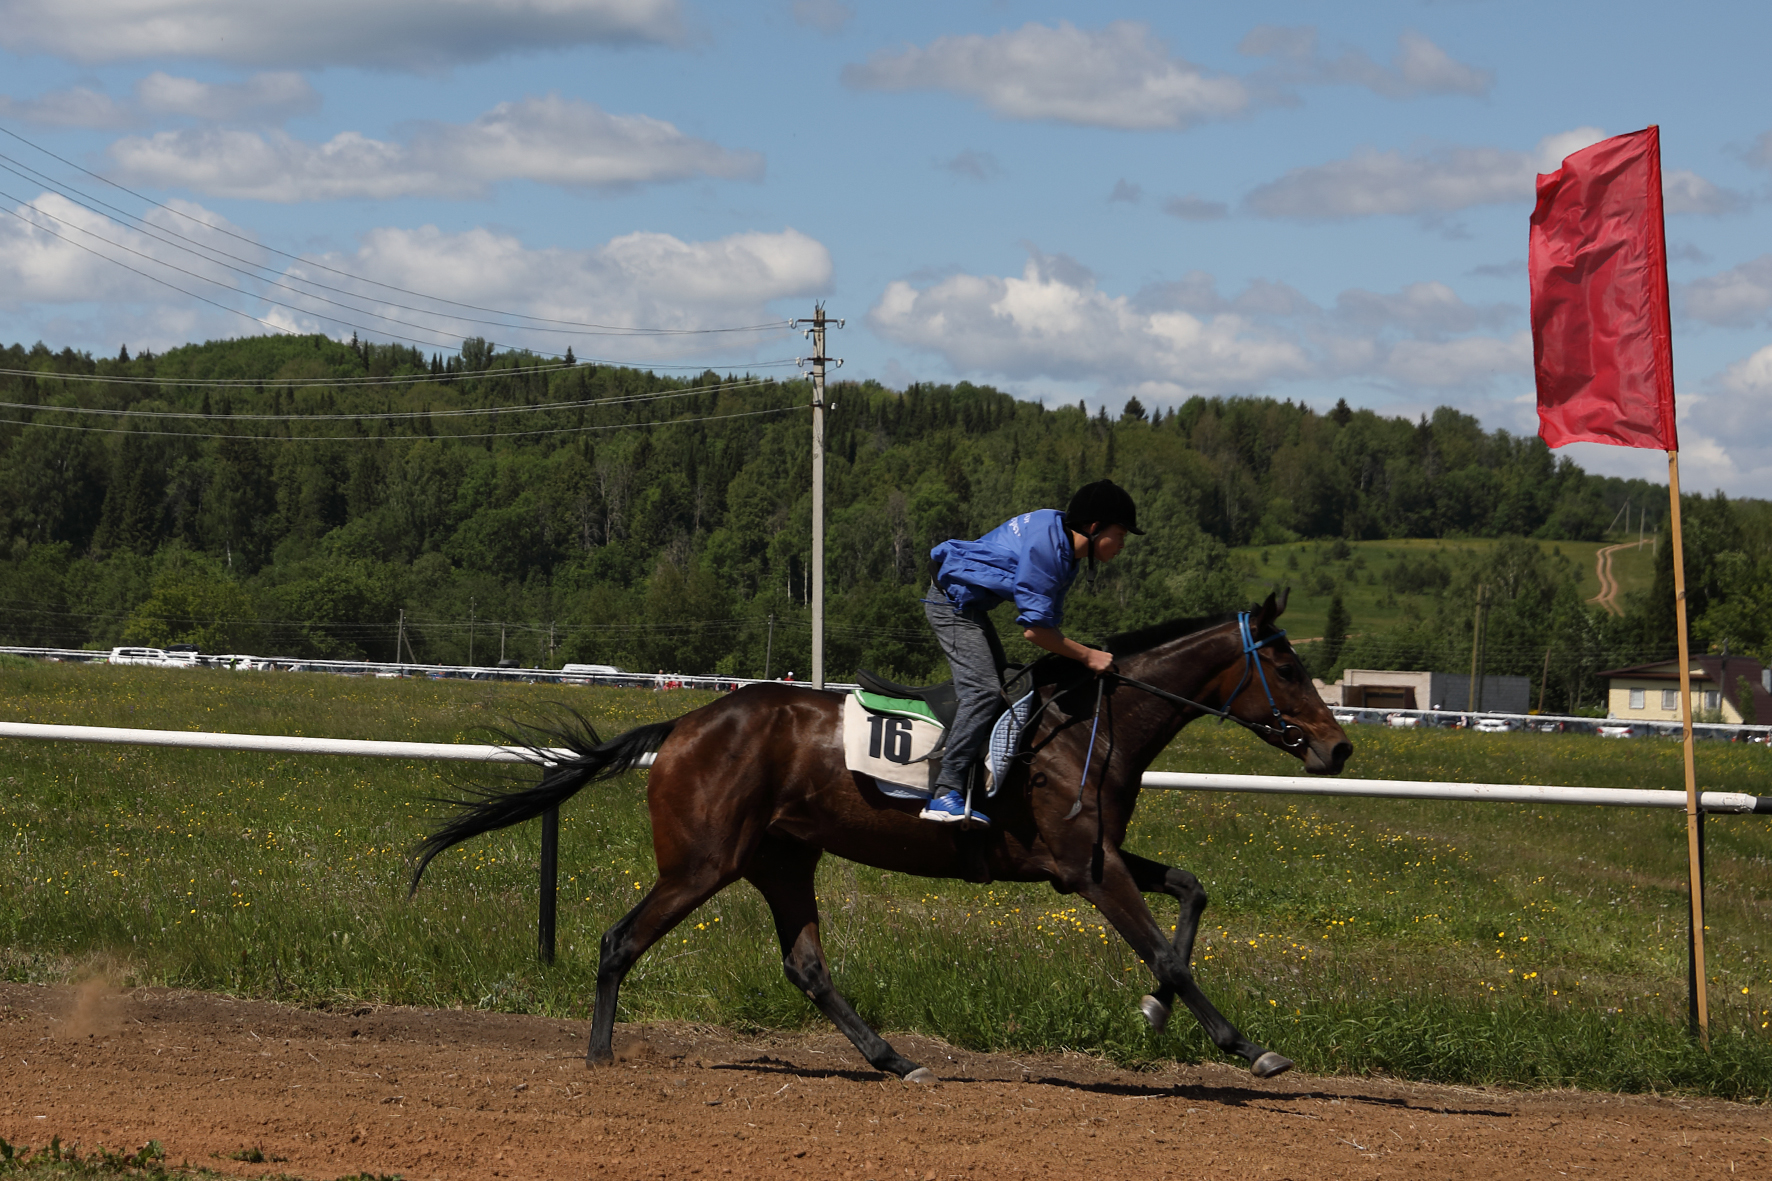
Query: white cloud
x=275 y=94
x=827 y=16
x=637 y=280
x=1433 y=181
x=1449 y=364
x=1738 y=297
x=1054 y=323
x=1438 y=180
x=1121 y=76
x=54 y=271
x=1419 y=67
x=78 y=106
x=551 y=140
x=1726 y=429
x=266 y=97
x=418 y=35
x=1687 y=192
x=1421 y=309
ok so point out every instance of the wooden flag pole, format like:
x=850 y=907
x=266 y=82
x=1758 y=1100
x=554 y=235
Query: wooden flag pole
x=1694 y=842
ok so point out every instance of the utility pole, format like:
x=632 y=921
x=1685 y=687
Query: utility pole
x=1474 y=697
x=1544 y=681
x=400 y=636
x=816 y=573
x=501 y=643
x=471 y=602
x=769 y=646
x=550 y=643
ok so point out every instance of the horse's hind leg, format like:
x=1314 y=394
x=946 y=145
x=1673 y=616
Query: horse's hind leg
x=1153 y=877
x=668 y=903
x=783 y=871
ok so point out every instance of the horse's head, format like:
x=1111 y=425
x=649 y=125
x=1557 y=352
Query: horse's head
x=1269 y=690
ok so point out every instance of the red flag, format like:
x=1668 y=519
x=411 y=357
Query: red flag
x=1601 y=343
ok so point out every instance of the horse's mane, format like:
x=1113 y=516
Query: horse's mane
x=1145 y=638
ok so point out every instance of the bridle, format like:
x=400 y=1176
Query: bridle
x=1285 y=734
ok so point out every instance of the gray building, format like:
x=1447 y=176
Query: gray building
x=1368 y=688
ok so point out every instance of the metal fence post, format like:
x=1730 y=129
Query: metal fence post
x=550 y=885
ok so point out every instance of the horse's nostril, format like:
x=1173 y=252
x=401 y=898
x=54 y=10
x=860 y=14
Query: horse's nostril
x=1341 y=753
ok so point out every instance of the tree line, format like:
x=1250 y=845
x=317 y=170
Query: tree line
x=578 y=512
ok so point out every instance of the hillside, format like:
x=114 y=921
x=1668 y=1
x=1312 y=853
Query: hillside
x=298 y=494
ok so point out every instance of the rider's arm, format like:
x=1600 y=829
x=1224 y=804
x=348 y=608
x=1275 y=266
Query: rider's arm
x=1053 y=640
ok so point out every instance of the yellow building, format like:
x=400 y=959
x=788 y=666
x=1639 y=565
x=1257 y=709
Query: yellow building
x=1731 y=689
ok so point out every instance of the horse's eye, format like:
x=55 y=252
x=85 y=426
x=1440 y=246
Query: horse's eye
x=1292 y=673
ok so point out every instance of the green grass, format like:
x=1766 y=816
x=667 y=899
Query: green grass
x=1453 y=942
x=147 y=1162
x=1312 y=573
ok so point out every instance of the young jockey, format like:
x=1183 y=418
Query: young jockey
x=1033 y=560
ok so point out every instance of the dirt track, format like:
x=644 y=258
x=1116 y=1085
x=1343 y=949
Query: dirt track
x=460 y=1094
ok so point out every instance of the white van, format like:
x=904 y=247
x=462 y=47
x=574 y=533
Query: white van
x=580 y=674
x=155 y=657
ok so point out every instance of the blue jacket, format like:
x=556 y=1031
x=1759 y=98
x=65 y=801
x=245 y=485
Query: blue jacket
x=1028 y=559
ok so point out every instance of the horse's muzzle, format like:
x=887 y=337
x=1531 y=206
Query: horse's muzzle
x=1327 y=758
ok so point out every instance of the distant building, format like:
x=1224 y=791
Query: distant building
x=1370 y=688
x=1651 y=692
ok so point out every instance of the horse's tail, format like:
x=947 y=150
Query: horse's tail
x=490 y=807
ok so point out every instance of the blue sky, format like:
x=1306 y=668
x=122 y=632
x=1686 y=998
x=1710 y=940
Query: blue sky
x=1305 y=200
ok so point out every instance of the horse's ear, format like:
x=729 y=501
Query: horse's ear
x=1265 y=613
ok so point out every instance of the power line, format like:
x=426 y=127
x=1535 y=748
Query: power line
x=297 y=309
x=602 y=329
x=151 y=278
x=565 y=430
x=392 y=414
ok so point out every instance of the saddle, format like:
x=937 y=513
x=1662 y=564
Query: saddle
x=896 y=732
x=943 y=703
x=940 y=699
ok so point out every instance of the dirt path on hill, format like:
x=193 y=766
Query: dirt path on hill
x=429 y=1094
x=1608 y=596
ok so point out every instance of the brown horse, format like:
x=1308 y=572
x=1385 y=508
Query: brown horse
x=754 y=786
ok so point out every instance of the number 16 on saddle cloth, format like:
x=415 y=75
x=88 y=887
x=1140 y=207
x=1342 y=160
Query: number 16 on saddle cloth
x=891 y=739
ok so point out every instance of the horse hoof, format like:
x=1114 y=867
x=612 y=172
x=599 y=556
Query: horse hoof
x=924 y=1075
x=1155 y=1012
x=1270 y=1064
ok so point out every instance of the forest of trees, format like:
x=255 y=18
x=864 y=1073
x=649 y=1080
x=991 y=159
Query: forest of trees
x=599 y=514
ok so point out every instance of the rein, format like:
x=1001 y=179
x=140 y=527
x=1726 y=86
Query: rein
x=1287 y=735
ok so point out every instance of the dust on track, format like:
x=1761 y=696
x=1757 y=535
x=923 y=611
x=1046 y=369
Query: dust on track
x=447 y=1094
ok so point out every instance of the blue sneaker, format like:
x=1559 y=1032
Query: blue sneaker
x=950 y=808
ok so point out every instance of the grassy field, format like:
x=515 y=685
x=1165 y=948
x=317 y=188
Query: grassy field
x=1454 y=942
x=1363 y=576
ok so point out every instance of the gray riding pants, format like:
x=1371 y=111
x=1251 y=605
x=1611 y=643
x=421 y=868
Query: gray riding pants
x=976 y=656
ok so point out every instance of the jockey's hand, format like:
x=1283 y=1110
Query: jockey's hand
x=1098 y=660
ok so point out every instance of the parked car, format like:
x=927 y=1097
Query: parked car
x=1402 y=721
x=1616 y=730
x=155 y=657
x=1493 y=725
x=1344 y=717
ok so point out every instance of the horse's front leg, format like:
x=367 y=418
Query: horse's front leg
x=1153 y=877
x=1118 y=898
